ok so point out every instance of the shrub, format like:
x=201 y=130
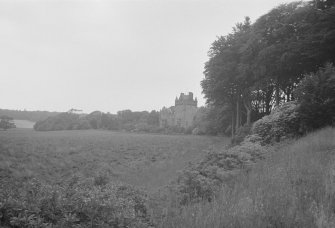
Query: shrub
x=79 y=203
x=62 y=121
x=6 y=122
x=293 y=187
x=241 y=133
x=316 y=95
x=283 y=121
x=203 y=180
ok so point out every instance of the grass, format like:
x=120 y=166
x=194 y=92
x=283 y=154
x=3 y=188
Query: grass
x=144 y=160
x=293 y=187
x=24 y=124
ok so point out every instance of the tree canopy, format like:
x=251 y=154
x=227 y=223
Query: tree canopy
x=258 y=65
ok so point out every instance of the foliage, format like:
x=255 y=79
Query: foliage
x=124 y=120
x=259 y=64
x=283 y=121
x=146 y=160
x=6 y=122
x=33 y=116
x=241 y=133
x=210 y=120
x=62 y=121
x=202 y=181
x=293 y=187
x=77 y=204
x=316 y=95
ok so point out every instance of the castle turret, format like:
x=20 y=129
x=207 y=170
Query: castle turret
x=182 y=114
x=186 y=100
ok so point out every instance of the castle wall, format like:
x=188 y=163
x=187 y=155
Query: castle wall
x=182 y=114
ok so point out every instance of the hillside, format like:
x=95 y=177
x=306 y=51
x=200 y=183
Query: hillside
x=292 y=187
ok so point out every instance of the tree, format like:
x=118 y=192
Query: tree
x=316 y=96
x=226 y=76
x=257 y=66
x=6 y=122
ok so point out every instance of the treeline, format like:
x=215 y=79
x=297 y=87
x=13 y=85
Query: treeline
x=259 y=65
x=124 y=120
x=33 y=116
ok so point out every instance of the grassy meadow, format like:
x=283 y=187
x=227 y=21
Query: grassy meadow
x=147 y=161
x=293 y=187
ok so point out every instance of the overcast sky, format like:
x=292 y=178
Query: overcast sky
x=110 y=55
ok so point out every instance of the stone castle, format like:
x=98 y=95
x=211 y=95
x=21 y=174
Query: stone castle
x=180 y=115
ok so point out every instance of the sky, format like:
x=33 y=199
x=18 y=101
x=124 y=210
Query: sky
x=110 y=55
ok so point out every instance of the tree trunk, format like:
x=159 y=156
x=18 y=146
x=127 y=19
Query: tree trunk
x=232 y=123
x=268 y=98
x=248 y=108
x=277 y=92
x=238 y=118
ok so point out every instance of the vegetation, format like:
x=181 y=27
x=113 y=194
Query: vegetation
x=33 y=116
x=78 y=203
x=259 y=73
x=283 y=122
x=258 y=66
x=75 y=178
x=316 y=96
x=144 y=160
x=6 y=122
x=124 y=120
x=292 y=187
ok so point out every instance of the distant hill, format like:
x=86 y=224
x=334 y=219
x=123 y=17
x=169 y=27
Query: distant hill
x=33 y=116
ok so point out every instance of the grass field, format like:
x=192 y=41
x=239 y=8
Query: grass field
x=293 y=187
x=143 y=160
x=24 y=124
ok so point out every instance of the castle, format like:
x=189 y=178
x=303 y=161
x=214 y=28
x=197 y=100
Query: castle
x=180 y=115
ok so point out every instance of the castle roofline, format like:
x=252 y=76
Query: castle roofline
x=186 y=99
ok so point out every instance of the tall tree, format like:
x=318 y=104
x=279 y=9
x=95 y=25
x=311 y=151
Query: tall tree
x=225 y=76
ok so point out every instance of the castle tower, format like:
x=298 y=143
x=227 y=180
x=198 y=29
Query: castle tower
x=182 y=114
x=185 y=110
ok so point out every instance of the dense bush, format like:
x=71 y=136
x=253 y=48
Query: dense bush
x=283 y=121
x=62 y=121
x=77 y=204
x=6 y=122
x=203 y=180
x=316 y=96
x=240 y=134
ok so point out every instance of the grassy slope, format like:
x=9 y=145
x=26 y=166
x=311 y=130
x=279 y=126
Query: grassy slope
x=148 y=161
x=294 y=187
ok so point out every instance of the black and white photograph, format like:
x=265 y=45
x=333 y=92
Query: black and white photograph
x=167 y=114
